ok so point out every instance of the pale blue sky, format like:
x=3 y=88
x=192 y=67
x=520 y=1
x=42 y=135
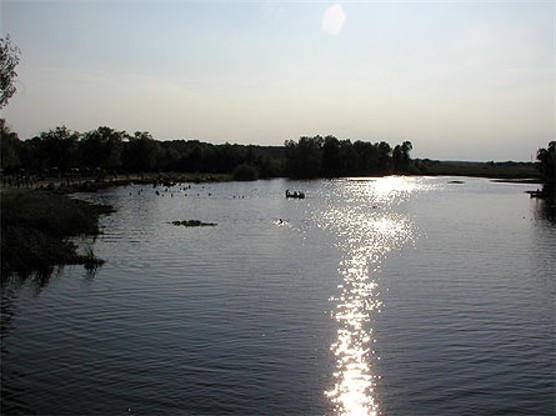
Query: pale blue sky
x=461 y=80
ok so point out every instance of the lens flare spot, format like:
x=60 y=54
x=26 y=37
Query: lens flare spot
x=333 y=19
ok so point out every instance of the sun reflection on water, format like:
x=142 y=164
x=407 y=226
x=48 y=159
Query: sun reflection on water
x=367 y=228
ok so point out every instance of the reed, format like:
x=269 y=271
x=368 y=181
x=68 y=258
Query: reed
x=37 y=227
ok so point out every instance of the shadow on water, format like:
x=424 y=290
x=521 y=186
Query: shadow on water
x=11 y=379
x=544 y=210
x=38 y=280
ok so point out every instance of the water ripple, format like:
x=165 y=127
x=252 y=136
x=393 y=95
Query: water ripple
x=366 y=232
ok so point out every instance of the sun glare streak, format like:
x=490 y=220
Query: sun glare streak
x=366 y=232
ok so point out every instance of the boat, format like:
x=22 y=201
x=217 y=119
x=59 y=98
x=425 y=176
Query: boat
x=298 y=195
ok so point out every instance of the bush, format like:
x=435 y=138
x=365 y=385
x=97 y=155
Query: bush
x=36 y=226
x=245 y=172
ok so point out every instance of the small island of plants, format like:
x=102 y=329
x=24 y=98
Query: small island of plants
x=193 y=223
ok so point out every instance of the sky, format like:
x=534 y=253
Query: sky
x=462 y=80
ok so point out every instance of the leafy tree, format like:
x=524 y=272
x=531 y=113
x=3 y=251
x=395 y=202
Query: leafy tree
x=9 y=58
x=245 y=172
x=303 y=159
x=141 y=153
x=384 y=156
x=349 y=160
x=400 y=156
x=547 y=165
x=58 y=148
x=331 y=162
x=10 y=148
x=102 y=148
x=367 y=158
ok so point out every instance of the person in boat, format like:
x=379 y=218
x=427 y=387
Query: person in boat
x=295 y=194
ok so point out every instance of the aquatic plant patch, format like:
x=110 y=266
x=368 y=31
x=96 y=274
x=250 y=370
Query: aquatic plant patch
x=193 y=223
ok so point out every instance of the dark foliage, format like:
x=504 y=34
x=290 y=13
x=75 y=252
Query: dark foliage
x=547 y=168
x=36 y=226
x=9 y=59
x=69 y=155
x=245 y=172
x=313 y=157
x=61 y=152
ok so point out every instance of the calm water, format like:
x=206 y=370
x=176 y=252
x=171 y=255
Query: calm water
x=393 y=296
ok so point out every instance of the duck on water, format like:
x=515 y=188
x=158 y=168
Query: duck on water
x=295 y=194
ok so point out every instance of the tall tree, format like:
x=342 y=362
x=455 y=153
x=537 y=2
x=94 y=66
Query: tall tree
x=102 y=148
x=331 y=162
x=303 y=159
x=58 y=148
x=547 y=166
x=9 y=58
x=384 y=156
x=10 y=147
x=141 y=153
x=400 y=156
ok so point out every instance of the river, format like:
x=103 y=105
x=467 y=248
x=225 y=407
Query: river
x=385 y=296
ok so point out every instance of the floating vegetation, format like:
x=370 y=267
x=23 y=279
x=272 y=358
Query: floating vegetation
x=193 y=223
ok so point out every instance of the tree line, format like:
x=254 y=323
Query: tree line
x=61 y=150
x=315 y=157
x=106 y=149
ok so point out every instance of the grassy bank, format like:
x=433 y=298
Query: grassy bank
x=93 y=183
x=36 y=228
x=496 y=170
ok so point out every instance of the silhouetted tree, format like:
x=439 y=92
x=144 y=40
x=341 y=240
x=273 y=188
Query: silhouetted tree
x=547 y=165
x=303 y=159
x=9 y=58
x=312 y=157
x=10 y=148
x=349 y=160
x=384 y=156
x=331 y=162
x=58 y=148
x=102 y=148
x=400 y=156
x=367 y=158
x=245 y=172
x=141 y=153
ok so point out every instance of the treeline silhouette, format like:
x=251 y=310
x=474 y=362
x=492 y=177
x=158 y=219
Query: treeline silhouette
x=105 y=149
x=313 y=157
x=62 y=151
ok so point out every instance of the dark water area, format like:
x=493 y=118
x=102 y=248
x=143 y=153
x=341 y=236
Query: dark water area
x=387 y=296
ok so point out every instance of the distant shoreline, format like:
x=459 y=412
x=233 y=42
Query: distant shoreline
x=71 y=184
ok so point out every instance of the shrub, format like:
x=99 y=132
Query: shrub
x=35 y=228
x=245 y=172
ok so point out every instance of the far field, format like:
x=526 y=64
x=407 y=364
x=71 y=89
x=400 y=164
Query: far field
x=496 y=170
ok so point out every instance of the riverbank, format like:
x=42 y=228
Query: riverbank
x=508 y=171
x=523 y=172
x=92 y=183
x=37 y=228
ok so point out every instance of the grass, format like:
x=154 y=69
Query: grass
x=497 y=170
x=37 y=227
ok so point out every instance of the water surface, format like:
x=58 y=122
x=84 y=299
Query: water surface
x=393 y=296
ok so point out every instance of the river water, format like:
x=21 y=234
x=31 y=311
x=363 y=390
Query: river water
x=386 y=296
